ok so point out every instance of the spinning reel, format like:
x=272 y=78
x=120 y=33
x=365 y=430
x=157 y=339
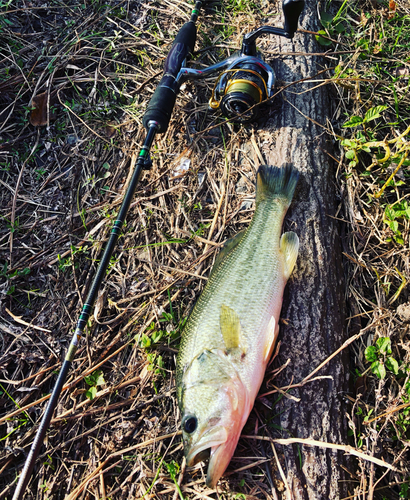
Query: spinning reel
x=244 y=82
x=248 y=80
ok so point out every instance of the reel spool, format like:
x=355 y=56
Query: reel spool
x=239 y=90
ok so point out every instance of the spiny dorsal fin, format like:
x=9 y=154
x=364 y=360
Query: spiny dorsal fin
x=289 y=245
x=229 y=245
x=230 y=327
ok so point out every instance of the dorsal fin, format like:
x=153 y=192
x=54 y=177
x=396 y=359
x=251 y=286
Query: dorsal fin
x=230 y=327
x=227 y=248
x=289 y=245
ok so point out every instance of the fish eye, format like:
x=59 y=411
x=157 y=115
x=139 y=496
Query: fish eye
x=190 y=424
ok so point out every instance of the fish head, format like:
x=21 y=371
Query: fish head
x=214 y=404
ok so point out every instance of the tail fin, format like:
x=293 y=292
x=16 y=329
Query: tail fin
x=276 y=182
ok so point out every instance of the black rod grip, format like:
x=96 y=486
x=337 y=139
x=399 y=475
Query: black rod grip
x=160 y=108
x=291 y=11
x=187 y=36
x=162 y=102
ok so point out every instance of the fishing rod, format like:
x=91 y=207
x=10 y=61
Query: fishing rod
x=156 y=119
x=245 y=81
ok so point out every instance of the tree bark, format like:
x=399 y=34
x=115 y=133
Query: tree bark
x=313 y=304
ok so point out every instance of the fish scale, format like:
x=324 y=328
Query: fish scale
x=230 y=334
x=227 y=286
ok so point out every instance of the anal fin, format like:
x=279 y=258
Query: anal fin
x=273 y=330
x=289 y=245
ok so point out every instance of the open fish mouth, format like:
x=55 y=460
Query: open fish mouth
x=216 y=445
x=209 y=441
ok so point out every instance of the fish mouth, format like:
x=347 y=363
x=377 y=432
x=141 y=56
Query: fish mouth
x=209 y=441
x=218 y=462
x=218 y=447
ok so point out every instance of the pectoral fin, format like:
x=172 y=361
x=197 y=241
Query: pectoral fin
x=273 y=330
x=230 y=328
x=289 y=245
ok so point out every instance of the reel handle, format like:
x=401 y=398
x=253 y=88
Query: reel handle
x=291 y=11
x=162 y=102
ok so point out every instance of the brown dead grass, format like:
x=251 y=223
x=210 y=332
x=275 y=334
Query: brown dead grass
x=377 y=265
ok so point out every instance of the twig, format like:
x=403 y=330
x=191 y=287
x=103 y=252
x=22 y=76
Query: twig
x=18 y=319
x=398 y=408
x=330 y=446
x=282 y=474
x=343 y=346
x=13 y=210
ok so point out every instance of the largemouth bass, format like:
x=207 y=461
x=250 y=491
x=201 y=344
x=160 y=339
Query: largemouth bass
x=230 y=333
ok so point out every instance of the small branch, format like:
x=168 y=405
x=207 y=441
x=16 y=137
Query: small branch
x=330 y=446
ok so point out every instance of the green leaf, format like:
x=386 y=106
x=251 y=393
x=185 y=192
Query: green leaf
x=353 y=121
x=348 y=143
x=92 y=391
x=374 y=113
x=96 y=378
x=392 y=365
x=366 y=418
x=390 y=213
x=370 y=353
x=89 y=380
x=350 y=154
x=383 y=344
x=326 y=19
x=393 y=225
x=173 y=469
x=145 y=341
x=339 y=28
x=323 y=41
x=156 y=336
x=378 y=369
x=99 y=378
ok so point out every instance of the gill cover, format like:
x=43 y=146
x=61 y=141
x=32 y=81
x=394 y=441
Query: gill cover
x=213 y=394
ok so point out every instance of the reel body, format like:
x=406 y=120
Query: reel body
x=243 y=83
x=247 y=82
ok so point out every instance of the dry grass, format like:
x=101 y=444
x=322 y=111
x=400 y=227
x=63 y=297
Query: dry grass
x=95 y=66
x=376 y=248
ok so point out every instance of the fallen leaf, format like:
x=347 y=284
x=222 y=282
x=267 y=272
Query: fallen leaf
x=392 y=9
x=39 y=105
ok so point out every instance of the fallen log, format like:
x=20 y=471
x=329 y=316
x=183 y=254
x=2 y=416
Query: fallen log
x=313 y=309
